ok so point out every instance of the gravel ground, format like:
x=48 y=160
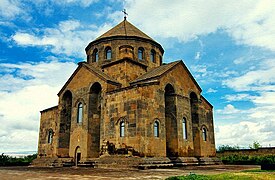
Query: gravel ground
x=22 y=173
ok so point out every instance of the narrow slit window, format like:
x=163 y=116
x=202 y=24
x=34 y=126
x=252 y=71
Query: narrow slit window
x=50 y=136
x=79 y=113
x=108 y=53
x=204 y=134
x=153 y=56
x=184 y=129
x=156 y=129
x=122 y=129
x=95 y=55
x=140 y=53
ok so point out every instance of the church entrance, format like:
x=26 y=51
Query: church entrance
x=171 y=122
x=77 y=155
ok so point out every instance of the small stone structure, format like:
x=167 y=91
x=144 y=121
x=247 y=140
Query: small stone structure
x=125 y=102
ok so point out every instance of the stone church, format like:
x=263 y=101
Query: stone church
x=124 y=101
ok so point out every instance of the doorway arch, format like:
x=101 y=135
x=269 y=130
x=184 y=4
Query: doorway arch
x=77 y=156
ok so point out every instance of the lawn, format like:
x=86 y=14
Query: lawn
x=243 y=175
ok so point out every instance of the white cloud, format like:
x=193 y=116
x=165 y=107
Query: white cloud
x=238 y=97
x=83 y=3
x=243 y=127
x=225 y=74
x=28 y=39
x=260 y=79
x=266 y=98
x=258 y=118
x=69 y=38
x=10 y=8
x=229 y=109
x=242 y=134
x=199 y=68
x=211 y=90
x=248 y=22
x=22 y=97
x=198 y=56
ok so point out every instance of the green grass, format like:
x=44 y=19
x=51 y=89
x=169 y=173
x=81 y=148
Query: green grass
x=229 y=176
x=258 y=170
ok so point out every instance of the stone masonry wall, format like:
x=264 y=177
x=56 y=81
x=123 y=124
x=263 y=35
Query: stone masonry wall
x=250 y=152
x=183 y=86
x=137 y=107
x=125 y=72
x=81 y=133
x=48 y=120
x=116 y=53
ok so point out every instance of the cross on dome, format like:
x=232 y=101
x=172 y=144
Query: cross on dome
x=125 y=14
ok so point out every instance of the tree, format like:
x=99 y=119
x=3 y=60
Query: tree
x=255 y=145
x=223 y=148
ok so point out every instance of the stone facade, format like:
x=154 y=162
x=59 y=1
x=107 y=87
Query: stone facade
x=123 y=100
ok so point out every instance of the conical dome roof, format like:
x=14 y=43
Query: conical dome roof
x=125 y=29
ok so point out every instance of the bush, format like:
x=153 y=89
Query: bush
x=6 y=160
x=223 y=148
x=245 y=159
x=189 y=177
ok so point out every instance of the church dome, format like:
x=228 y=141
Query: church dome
x=125 y=41
x=125 y=28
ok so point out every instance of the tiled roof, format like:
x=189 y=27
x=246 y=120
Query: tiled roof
x=156 y=72
x=125 y=29
x=100 y=73
x=92 y=69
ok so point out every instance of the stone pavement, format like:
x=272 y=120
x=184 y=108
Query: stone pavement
x=34 y=173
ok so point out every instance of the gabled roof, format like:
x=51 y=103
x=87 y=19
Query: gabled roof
x=93 y=70
x=125 y=29
x=156 y=72
x=160 y=71
x=101 y=74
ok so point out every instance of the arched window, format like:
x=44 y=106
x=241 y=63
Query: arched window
x=204 y=134
x=140 y=53
x=95 y=55
x=79 y=113
x=122 y=129
x=184 y=129
x=108 y=53
x=153 y=56
x=50 y=136
x=156 y=129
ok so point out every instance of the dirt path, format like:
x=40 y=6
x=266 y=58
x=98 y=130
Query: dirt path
x=32 y=173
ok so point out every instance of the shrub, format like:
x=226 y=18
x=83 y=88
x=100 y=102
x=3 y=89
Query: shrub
x=6 y=160
x=245 y=159
x=223 y=148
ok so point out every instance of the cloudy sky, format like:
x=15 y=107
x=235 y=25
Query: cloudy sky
x=229 y=47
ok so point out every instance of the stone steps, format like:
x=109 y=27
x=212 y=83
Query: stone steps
x=87 y=164
x=155 y=166
x=52 y=162
x=126 y=162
